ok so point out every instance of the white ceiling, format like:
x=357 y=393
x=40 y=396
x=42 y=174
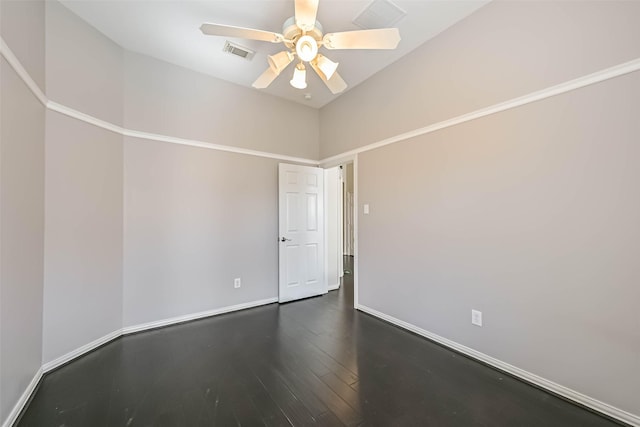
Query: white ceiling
x=169 y=30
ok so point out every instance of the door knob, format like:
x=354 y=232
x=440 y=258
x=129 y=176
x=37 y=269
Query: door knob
x=284 y=239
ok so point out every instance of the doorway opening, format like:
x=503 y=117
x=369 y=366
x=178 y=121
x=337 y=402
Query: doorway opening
x=317 y=211
x=340 y=224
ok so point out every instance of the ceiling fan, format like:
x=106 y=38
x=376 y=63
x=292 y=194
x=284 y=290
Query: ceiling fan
x=302 y=36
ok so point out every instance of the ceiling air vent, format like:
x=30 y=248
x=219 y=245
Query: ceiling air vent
x=379 y=14
x=237 y=50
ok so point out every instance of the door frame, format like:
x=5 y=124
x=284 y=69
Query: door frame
x=351 y=158
x=327 y=235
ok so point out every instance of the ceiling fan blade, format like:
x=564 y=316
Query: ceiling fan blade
x=335 y=83
x=265 y=79
x=384 y=38
x=306 y=11
x=239 y=32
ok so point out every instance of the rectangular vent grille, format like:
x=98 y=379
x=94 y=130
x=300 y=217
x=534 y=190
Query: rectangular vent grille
x=379 y=14
x=237 y=50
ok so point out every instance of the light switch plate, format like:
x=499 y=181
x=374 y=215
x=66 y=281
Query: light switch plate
x=366 y=209
x=476 y=317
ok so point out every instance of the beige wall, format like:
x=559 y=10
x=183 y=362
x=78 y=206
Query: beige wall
x=530 y=216
x=22 y=120
x=170 y=100
x=504 y=50
x=195 y=219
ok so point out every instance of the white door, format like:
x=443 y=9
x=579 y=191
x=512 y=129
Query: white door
x=301 y=240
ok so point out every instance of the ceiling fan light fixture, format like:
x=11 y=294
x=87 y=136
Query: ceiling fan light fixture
x=299 y=80
x=327 y=66
x=279 y=61
x=302 y=35
x=306 y=48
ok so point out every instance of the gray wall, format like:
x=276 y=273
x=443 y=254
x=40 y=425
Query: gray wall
x=530 y=216
x=161 y=229
x=21 y=236
x=170 y=100
x=83 y=221
x=535 y=225
x=84 y=68
x=83 y=229
x=21 y=203
x=502 y=51
x=195 y=219
x=22 y=27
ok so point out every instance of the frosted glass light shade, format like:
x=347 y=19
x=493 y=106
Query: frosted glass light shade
x=299 y=80
x=279 y=61
x=306 y=48
x=327 y=66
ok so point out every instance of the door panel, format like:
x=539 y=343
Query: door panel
x=312 y=212
x=301 y=216
x=291 y=208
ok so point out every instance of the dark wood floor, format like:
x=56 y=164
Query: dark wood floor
x=311 y=362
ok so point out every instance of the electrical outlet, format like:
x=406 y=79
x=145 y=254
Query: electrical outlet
x=236 y=282
x=476 y=317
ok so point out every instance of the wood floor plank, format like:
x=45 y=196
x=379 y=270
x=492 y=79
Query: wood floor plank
x=342 y=389
x=306 y=379
x=293 y=409
x=315 y=362
x=329 y=420
x=269 y=410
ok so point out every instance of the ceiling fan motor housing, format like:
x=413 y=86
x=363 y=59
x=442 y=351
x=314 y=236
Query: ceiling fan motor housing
x=292 y=32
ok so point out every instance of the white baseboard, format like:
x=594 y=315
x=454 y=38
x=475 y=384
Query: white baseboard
x=146 y=326
x=334 y=287
x=26 y=395
x=527 y=376
x=544 y=383
x=186 y=318
x=49 y=366
x=80 y=351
